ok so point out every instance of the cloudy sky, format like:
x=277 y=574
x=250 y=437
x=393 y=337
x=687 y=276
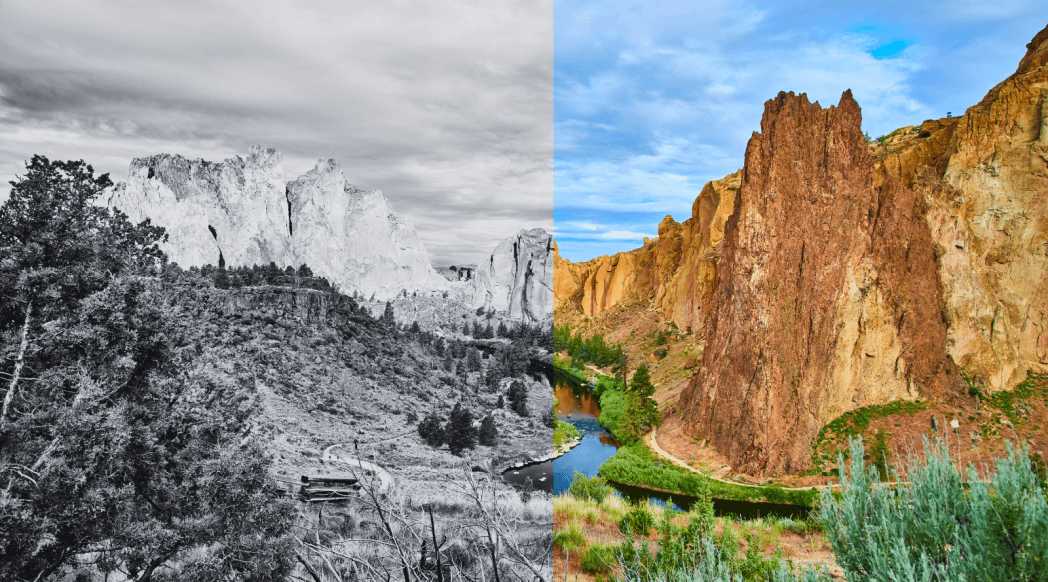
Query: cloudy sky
x=654 y=99
x=446 y=107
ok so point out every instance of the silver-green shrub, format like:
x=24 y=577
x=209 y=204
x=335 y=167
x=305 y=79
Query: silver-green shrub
x=941 y=525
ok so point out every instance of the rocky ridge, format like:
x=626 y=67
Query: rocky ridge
x=849 y=274
x=243 y=211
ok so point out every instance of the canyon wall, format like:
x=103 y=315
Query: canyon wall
x=675 y=272
x=244 y=212
x=851 y=273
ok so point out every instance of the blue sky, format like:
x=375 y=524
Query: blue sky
x=652 y=100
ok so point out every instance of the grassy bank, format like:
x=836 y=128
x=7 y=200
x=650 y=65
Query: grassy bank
x=564 y=367
x=637 y=465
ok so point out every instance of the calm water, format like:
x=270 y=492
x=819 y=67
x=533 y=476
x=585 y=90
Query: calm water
x=576 y=405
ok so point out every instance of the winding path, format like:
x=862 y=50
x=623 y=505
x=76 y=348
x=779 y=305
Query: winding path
x=385 y=480
x=658 y=451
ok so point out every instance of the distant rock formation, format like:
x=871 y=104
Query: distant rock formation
x=850 y=274
x=243 y=212
x=676 y=271
x=518 y=277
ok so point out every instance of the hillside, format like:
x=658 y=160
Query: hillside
x=319 y=369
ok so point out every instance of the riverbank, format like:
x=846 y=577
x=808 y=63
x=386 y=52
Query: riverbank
x=637 y=465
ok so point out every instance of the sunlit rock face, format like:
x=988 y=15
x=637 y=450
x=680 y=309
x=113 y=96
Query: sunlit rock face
x=831 y=274
x=243 y=211
x=518 y=277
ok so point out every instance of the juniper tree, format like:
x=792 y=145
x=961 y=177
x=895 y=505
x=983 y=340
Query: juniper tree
x=114 y=394
x=459 y=431
x=518 y=398
x=431 y=429
x=488 y=432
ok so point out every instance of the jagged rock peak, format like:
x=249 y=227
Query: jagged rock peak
x=518 y=277
x=244 y=211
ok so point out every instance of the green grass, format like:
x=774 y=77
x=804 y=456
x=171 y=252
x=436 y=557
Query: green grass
x=853 y=423
x=1034 y=386
x=637 y=465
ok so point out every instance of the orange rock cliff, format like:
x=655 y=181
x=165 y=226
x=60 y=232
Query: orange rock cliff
x=830 y=274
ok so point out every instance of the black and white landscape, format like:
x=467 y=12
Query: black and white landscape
x=253 y=366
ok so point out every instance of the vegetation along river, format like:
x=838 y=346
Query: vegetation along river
x=575 y=404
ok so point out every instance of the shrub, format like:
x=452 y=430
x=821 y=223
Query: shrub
x=637 y=520
x=599 y=559
x=939 y=527
x=595 y=488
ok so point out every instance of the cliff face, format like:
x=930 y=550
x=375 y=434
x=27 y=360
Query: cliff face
x=828 y=297
x=243 y=212
x=853 y=274
x=518 y=277
x=676 y=271
x=356 y=237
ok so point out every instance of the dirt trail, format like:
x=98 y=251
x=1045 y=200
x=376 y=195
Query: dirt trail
x=658 y=451
x=385 y=480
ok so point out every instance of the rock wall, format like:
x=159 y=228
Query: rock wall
x=518 y=277
x=675 y=272
x=852 y=274
x=244 y=212
x=827 y=299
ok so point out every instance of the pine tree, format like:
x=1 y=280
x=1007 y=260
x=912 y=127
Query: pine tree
x=488 y=433
x=431 y=429
x=518 y=398
x=459 y=431
x=645 y=407
x=387 y=316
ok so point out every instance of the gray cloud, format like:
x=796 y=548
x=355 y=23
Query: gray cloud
x=446 y=109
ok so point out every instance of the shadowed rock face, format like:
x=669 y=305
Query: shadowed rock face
x=244 y=212
x=853 y=274
x=518 y=277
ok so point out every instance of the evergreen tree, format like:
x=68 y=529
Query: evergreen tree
x=501 y=402
x=473 y=359
x=305 y=272
x=488 y=432
x=461 y=434
x=387 y=315
x=114 y=427
x=518 y=398
x=431 y=429
x=643 y=391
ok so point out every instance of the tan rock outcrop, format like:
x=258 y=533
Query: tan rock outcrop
x=675 y=272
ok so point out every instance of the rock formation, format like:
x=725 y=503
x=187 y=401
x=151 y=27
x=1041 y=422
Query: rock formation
x=518 y=277
x=827 y=297
x=244 y=212
x=852 y=274
x=676 y=271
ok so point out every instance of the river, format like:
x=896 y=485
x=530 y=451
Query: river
x=575 y=404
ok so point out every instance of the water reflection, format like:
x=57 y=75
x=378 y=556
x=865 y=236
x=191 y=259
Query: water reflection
x=575 y=404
